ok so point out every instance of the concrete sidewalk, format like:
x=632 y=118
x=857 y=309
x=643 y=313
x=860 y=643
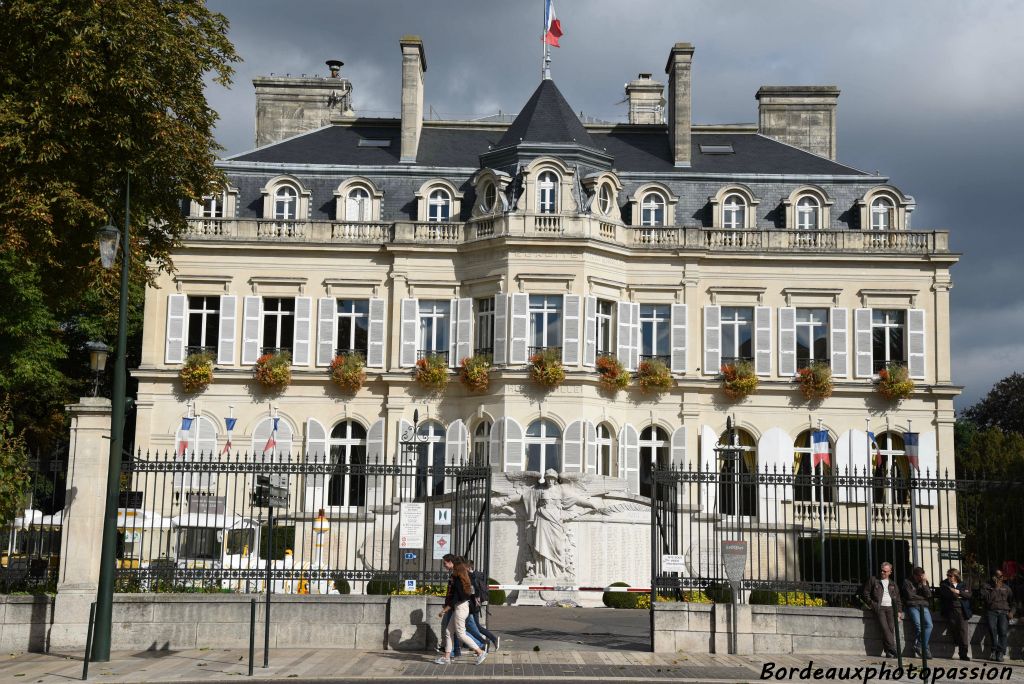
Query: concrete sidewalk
x=354 y=666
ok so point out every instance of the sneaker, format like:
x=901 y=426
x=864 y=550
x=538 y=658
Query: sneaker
x=443 y=661
x=481 y=658
x=497 y=644
x=964 y=656
x=928 y=654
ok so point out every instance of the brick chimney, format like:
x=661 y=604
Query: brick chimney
x=679 y=114
x=646 y=100
x=802 y=116
x=414 y=64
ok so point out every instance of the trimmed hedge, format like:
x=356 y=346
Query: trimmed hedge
x=496 y=597
x=622 y=599
x=382 y=587
x=342 y=586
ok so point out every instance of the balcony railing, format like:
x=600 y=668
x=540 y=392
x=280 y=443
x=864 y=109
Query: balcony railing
x=361 y=232
x=426 y=353
x=531 y=351
x=664 y=358
x=190 y=350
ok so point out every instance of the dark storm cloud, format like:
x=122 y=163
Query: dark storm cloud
x=932 y=96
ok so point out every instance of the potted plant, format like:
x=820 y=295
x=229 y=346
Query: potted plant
x=432 y=372
x=894 y=382
x=546 y=368
x=613 y=376
x=815 y=380
x=738 y=379
x=197 y=373
x=475 y=372
x=654 y=376
x=274 y=370
x=347 y=372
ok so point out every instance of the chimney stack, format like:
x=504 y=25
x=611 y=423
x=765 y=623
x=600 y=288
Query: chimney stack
x=414 y=64
x=801 y=116
x=646 y=101
x=679 y=102
x=289 y=105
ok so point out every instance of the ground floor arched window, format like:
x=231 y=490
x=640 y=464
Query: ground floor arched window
x=737 y=488
x=430 y=447
x=654 y=450
x=889 y=460
x=804 y=489
x=543 y=446
x=346 y=485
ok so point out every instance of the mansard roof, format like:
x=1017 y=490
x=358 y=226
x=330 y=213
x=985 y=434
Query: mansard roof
x=546 y=118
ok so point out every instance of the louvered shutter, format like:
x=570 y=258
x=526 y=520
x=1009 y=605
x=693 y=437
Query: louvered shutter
x=708 y=468
x=787 y=341
x=226 y=334
x=763 y=340
x=375 y=442
x=464 y=330
x=623 y=338
x=316 y=454
x=514 y=446
x=590 y=332
x=590 y=464
x=497 y=445
x=915 y=343
x=634 y=336
x=571 y=329
x=453 y=332
x=410 y=332
x=520 y=316
x=408 y=485
x=712 y=340
x=927 y=460
x=837 y=322
x=500 y=329
x=455 y=443
x=326 y=331
x=202 y=446
x=252 y=329
x=303 y=331
x=573 y=447
x=375 y=334
x=629 y=457
x=679 y=447
x=176 y=308
x=678 y=338
x=864 y=367
x=853 y=459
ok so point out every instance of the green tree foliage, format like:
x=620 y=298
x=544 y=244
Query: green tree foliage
x=90 y=91
x=1002 y=407
x=14 y=472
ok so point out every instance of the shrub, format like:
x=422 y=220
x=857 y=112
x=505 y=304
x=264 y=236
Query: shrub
x=738 y=379
x=496 y=597
x=894 y=382
x=432 y=372
x=274 y=371
x=475 y=372
x=613 y=376
x=342 y=586
x=815 y=381
x=546 y=368
x=654 y=376
x=695 y=596
x=719 y=592
x=622 y=599
x=197 y=372
x=347 y=372
x=766 y=597
x=378 y=586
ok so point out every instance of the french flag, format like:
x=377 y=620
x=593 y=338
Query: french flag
x=552 y=26
x=819 y=448
x=910 y=441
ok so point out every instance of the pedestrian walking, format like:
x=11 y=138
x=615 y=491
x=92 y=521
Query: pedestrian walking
x=883 y=597
x=475 y=624
x=917 y=596
x=997 y=598
x=461 y=594
x=449 y=560
x=956 y=608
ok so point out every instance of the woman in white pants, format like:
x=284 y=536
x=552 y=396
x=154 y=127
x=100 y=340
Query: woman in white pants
x=460 y=594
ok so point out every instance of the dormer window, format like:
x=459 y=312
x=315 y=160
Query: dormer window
x=881 y=214
x=652 y=210
x=213 y=206
x=807 y=213
x=605 y=199
x=547 y=193
x=734 y=212
x=285 y=203
x=357 y=205
x=439 y=206
x=490 y=197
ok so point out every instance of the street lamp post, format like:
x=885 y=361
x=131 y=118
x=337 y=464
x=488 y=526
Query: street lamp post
x=105 y=590
x=97 y=362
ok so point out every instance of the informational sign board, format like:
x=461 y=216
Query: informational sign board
x=671 y=562
x=410 y=585
x=734 y=555
x=442 y=516
x=442 y=544
x=410 y=525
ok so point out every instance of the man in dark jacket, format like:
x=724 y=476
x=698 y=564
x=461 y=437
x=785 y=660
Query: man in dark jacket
x=917 y=595
x=882 y=595
x=481 y=593
x=956 y=608
x=997 y=597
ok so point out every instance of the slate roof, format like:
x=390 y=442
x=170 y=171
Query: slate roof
x=546 y=118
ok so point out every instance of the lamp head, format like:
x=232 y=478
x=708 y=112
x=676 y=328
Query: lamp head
x=97 y=355
x=109 y=237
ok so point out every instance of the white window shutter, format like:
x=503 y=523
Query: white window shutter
x=678 y=338
x=573 y=448
x=375 y=334
x=497 y=445
x=629 y=458
x=410 y=332
x=763 y=340
x=787 y=341
x=500 y=331
x=514 y=446
x=352 y=210
x=712 y=340
x=453 y=332
x=252 y=329
x=837 y=327
x=591 y=451
x=623 y=321
x=708 y=467
x=679 y=447
x=175 y=350
x=326 y=331
x=590 y=332
x=303 y=331
x=316 y=453
x=864 y=366
x=915 y=343
x=520 y=306
x=404 y=433
x=634 y=336
x=455 y=443
x=375 y=442
x=927 y=460
x=464 y=330
x=226 y=334
x=571 y=329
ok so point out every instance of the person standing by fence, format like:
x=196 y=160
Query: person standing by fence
x=918 y=596
x=882 y=595
x=997 y=597
x=956 y=608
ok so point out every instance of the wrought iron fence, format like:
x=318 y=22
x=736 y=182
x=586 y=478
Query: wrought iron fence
x=826 y=534
x=30 y=542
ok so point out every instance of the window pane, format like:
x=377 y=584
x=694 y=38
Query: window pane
x=896 y=344
x=553 y=457
x=533 y=457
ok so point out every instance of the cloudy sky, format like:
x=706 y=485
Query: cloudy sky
x=932 y=96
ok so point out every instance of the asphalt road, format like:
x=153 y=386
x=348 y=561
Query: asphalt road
x=523 y=628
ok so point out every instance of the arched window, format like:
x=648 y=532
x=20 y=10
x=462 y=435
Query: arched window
x=804 y=489
x=430 y=459
x=605 y=199
x=357 y=205
x=286 y=201
x=734 y=212
x=605 y=451
x=346 y=485
x=543 y=446
x=652 y=209
x=547 y=193
x=654 y=450
x=482 y=443
x=268 y=443
x=490 y=196
x=737 y=488
x=889 y=460
x=439 y=206
x=807 y=213
x=881 y=214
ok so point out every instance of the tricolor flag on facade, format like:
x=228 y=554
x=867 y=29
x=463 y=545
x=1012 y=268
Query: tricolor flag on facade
x=819 y=448
x=910 y=442
x=878 y=449
x=552 y=26
x=182 y=446
x=272 y=442
x=229 y=423
x=186 y=424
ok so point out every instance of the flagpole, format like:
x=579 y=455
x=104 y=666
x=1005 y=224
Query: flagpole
x=869 y=496
x=913 y=506
x=545 y=71
x=821 y=507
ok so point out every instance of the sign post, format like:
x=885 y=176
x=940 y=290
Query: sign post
x=269 y=496
x=734 y=555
